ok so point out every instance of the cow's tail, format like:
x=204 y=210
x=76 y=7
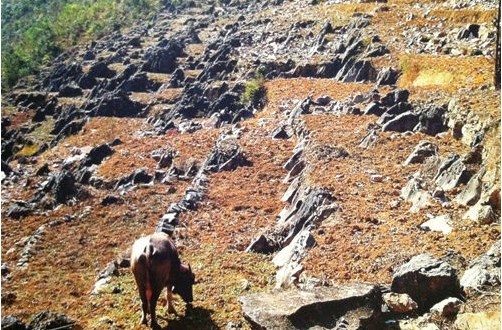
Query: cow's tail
x=147 y=256
x=144 y=261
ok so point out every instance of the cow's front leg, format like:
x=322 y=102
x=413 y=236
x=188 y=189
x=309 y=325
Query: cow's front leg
x=169 y=298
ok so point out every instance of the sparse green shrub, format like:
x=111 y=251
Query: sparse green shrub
x=254 y=92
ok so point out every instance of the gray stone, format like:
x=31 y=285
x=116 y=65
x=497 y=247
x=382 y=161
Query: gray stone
x=452 y=172
x=423 y=150
x=484 y=271
x=402 y=123
x=323 y=100
x=226 y=155
x=370 y=139
x=387 y=76
x=447 y=308
x=289 y=257
x=414 y=193
x=399 y=302
x=472 y=191
x=440 y=223
x=482 y=214
x=374 y=108
x=427 y=280
x=356 y=305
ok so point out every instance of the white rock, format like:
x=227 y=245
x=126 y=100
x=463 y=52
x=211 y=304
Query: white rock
x=440 y=223
x=100 y=286
x=447 y=307
x=399 y=302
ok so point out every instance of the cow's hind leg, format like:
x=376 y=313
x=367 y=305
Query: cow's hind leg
x=140 y=282
x=144 y=306
x=153 y=306
x=169 y=298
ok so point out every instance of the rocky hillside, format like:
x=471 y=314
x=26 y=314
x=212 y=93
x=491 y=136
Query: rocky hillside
x=329 y=164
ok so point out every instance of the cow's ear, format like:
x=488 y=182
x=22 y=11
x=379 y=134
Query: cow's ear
x=189 y=268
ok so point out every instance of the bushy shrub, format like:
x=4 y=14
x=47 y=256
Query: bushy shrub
x=254 y=92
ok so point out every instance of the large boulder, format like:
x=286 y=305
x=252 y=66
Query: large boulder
x=427 y=280
x=472 y=191
x=422 y=151
x=353 y=306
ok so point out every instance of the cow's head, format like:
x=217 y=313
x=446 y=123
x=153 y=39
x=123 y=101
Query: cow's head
x=184 y=283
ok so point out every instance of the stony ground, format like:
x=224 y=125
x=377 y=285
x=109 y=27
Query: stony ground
x=52 y=255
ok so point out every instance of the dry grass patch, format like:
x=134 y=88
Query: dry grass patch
x=169 y=94
x=117 y=67
x=76 y=101
x=466 y=16
x=135 y=152
x=195 y=50
x=242 y=202
x=142 y=97
x=96 y=131
x=367 y=236
x=18 y=118
x=159 y=77
x=66 y=261
x=444 y=72
x=192 y=73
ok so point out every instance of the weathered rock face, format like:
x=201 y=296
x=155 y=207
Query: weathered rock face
x=423 y=150
x=355 y=306
x=12 y=323
x=427 y=280
x=484 y=271
x=47 y=320
x=451 y=173
x=399 y=302
x=415 y=194
x=162 y=58
x=447 y=308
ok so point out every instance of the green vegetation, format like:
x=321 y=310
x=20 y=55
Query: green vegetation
x=254 y=91
x=35 y=31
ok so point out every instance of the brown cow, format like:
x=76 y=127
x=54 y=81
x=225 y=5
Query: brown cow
x=155 y=264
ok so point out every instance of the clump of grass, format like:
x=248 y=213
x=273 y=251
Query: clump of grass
x=254 y=92
x=27 y=150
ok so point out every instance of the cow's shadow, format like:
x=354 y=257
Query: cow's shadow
x=194 y=318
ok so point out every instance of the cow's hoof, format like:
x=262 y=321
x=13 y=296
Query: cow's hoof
x=143 y=320
x=155 y=325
